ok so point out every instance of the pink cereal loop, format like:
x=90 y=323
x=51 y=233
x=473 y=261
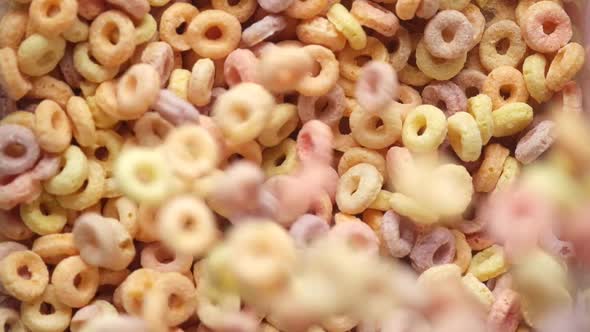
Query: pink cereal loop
x=572 y=97
x=330 y=114
x=358 y=234
x=136 y=8
x=275 y=6
x=292 y=197
x=175 y=109
x=15 y=162
x=536 y=141
x=504 y=315
x=539 y=15
x=377 y=86
x=447 y=93
x=12 y=226
x=263 y=29
x=240 y=66
x=22 y=189
x=470 y=81
x=160 y=56
x=399 y=234
x=448 y=20
x=314 y=143
x=428 y=8
x=433 y=248
x=308 y=228
x=46 y=168
x=157 y=257
x=563 y=249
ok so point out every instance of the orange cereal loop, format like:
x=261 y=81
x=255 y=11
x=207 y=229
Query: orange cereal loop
x=505 y=85
x=350 y=67
x=319 y=30
x=35 y=318
x=151 y=129
x=535 y=27
x=486 y=177
x=52 y=248
x=13 y=26
x=75 y=281
x=24 y=275
x=14 y=84
x=161 y=56
x=327 y=77
x=565 y=65
x=181 y=294
x=112 y=38
x=136 y=8
x=173 y=25
x=47 y=87
x=502 y=45
x=477 y=20
x=201 y=82
x=283 y=69
x=52 y=127
x=374 y=16
x=214 y=34
x=83 y=127
x=306 y=9
x=241 y=9
x=52 y=17
x=137 y=90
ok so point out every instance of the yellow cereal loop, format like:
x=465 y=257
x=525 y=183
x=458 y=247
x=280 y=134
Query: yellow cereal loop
x=538 y=274
x=21 y=118
x=424 y=128
x=348 y=26
x=451 y=190
x=480 y=107
x=510 y=172
x=463 y=253
x=38 y=55
x=178 y=82
x=101 y=119
x=143 y=175
x=512 y=118
x=280 y=159
x=77 y=32
x=72 y=175
x=44 y=215
x=437 y=68
x=90 y=194
x=382 y=202
x=464 y=136
x=533 y=70
x=146 y=29
x=409 y=207
x=479 y=290
x=439 y=274
x=534 y=312
x=489 y=263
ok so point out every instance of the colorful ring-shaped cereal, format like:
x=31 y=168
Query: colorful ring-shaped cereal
x=464 y=136
x=102 y=29
x=446 y=93
x=375 y=17
x=511 y=119
x=429 y=119
x=538 y=18
x=307 y=229
x=35 y=319
x=53 y=248
x=72 y=175
x=486 y=177
x=535 y=142
x=320 y=31
x=480 y=107
x=348 y=57
x=347 y=24
x=325 y=80
x=329 y=113
x=19 y=149
x=38 y=55
x=13 y=83
x=505 y=85
x=75 y=281
x=52 y=17
x=214 y=22
x=24 y=275
x=398 y=234
x=433 y=67
x=470 y=81
x=156 y=256
x=448 y=21
x=263 y=29
x=192 y=151
x=492 y=50
x=44 y=215
x=356 y=234
x=358 y=188
x=171 y=25
x=376 y=86
x=434 y=248
x=376 y=130
x=565 y=65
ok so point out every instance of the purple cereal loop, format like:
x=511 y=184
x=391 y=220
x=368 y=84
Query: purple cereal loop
x=535 y=142
x=175 y=109
x=275 y=6
x=377 y=86
x=504 y=315
x=433 y=248
x=46 y=168
x=447 y=93
x=330 y=114
x=398 y=234
x=263 y=29
x=308 y=228
x=11 y=135
x=68 y=70
x=240 y=66
x=358 y=234
x=469 y=80
x=7 y=105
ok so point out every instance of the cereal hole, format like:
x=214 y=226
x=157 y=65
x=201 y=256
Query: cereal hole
x=164 y=256
x=174 y=301
x=77 y=280
x=441 y=105
x=53 y=10
x=412 y=59
x=235 y=157
x=448 y=34
x=112 y=34
x=126 y=244
x=321 y=104
x=421 y=130
x=213 y=33
x=44 y=209
x=240 y=113
x=393 y=45
x=189 y=224
x=14 y=150
x=101 y=153
x=502 y=46
x=440 y=253
x=55 y=120
x=549 y=27
x=280 y=160
x=471 y=91
x=145 y=173
x=379 y=125
x=24 y=272
x=344 y=126
x=180 y=29
x=46 y=309
x=131 y=82
x=355 y=182
x=362 y=60
x=505 y=92
x=233 y=2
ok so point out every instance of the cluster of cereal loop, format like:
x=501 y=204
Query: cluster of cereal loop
x=293 y=166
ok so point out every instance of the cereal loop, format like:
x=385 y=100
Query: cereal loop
x=214 y=34
x=452 y=22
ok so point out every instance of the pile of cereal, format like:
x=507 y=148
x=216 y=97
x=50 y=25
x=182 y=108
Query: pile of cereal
x=293 y=165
